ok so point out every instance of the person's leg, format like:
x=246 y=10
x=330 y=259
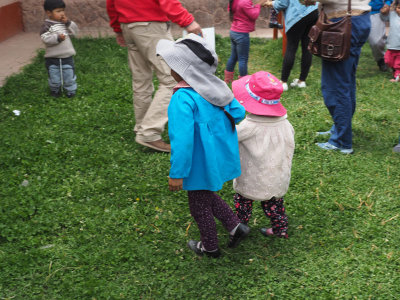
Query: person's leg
x=233 y=58
x=274 y=209
x=396 y=66
x=200 y=205
x=142 y=78
x=293 y=37
x=306 y=56
x=146 y=36
x=69 y=77
x=243 y=48
x=54 y=79
x=338 y=85
x=230 y=65
x=244 y=208
x=377 y=40
x=229 y=220
x=223 y=212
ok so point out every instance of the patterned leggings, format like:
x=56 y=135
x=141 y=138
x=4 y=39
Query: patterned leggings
x=273 y=209
x=204 y=206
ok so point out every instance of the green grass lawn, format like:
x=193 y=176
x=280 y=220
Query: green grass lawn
x=85 y=212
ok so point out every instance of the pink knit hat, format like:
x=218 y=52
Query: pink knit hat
x=260 y=94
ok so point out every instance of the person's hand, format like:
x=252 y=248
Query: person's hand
x=175 y=184
x=195 y=28
x=120 y=39
x=385 y=9
x=267 y=3
x=61 y=37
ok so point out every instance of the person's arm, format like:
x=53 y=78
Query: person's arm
x=179 y=15
x=180 y=111
x=244 y=130
x=71 y=27
x=252 y=11
x=50 y=38
x=236 y=110
x=113 y=15
x=176 y=12
x=280 y=5
x=114 y=23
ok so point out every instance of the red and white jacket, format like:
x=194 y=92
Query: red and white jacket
x=130 y=11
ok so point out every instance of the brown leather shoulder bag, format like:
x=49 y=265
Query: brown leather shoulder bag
x=331 y=40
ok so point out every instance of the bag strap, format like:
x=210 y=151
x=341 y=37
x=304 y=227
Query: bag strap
x=349 y=7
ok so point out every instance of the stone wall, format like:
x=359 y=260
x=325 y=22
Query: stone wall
x=91 y=14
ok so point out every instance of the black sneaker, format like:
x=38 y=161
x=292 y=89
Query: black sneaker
x=241 y=232
x=71 y=95
x=197 y=248
x=55 y=94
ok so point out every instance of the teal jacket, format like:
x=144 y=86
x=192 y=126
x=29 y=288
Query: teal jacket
x=204 y=148
x=293 y=11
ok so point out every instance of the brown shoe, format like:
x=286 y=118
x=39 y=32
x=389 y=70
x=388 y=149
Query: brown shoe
x=158 y=145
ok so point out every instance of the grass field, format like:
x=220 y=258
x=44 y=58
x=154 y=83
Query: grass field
x=85 y=212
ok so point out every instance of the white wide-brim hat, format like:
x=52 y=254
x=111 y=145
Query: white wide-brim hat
x=196 y=62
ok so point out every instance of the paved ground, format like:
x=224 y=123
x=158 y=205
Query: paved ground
x=19 y=50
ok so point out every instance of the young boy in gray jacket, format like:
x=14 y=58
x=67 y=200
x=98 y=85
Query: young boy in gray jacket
x=55 y=34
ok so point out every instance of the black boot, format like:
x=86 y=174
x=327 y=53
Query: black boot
x=241 y=232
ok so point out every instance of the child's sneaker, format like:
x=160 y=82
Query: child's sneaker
x=270 y=232
x=197 y=248
x=396 y=148
x=396 y=79
x=329 y=146
x=296 y=82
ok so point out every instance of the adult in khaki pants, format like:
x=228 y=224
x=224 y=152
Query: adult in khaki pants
x=139 y=25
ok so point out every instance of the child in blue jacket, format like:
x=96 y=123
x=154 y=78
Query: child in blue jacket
x=204 y=144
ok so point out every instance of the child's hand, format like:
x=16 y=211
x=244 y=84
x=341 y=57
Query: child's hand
x=175 y=184
x=267 y=3
x=61 y=37
x=385 y=9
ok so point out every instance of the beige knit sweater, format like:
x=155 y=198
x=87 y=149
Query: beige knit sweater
x=266 y=146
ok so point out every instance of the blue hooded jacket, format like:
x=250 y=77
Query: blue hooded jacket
x=376 y=5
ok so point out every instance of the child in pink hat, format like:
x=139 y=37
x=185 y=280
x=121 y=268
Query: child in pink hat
x=266 y=146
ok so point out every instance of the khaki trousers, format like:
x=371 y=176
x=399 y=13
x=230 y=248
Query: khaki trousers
x=150 y=114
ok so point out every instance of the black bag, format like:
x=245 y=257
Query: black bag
x=331 y=40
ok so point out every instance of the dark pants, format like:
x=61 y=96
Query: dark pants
x=338 y=84
x=296 y=34
x=240 y=47
x=273 y=210
x=204 y=206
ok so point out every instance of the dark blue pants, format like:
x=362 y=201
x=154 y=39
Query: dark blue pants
x=240 y=47
x=338 y=84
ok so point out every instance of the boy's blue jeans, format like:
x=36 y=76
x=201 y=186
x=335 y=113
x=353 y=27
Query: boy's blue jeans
x=338 y=84
x=61 y=74
x=240 y=47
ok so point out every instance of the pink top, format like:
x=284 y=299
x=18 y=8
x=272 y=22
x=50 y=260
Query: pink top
x=245 y=14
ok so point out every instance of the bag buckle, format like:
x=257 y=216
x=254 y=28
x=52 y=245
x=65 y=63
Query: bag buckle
x=330 y=49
